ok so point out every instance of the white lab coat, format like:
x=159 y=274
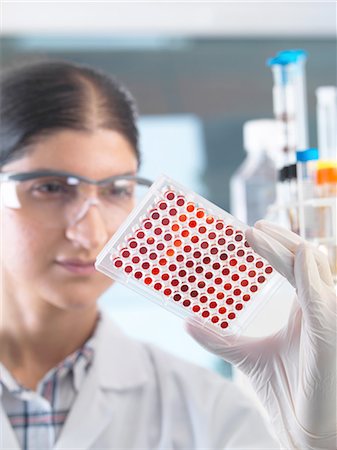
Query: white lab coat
x=136 y=396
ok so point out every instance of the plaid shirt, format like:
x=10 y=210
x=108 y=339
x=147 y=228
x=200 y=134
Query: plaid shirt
x=37 y=416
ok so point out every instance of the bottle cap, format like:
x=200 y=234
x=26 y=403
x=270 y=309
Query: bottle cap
x=310 y=154
x=287 y=173
x=292 y=172
x=326 y=172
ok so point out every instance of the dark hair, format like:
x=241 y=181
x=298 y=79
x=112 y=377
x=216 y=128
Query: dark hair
x=41 y=98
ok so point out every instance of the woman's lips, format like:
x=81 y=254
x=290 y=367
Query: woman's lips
x=78 y=268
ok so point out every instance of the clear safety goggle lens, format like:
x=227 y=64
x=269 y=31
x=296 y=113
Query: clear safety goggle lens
x=58 y=201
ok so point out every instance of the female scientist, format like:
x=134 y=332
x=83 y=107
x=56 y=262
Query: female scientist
x=70 y=379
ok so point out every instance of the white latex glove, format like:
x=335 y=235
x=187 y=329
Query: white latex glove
x=294 y=370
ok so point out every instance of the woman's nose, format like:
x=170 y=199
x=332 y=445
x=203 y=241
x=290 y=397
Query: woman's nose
x=89 y=230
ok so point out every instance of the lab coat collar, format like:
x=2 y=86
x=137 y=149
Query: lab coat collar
x=122 y=362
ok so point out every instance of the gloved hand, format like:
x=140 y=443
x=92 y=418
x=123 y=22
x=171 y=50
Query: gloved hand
x=294 y=370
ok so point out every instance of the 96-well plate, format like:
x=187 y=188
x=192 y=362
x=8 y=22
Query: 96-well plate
x=191 y=257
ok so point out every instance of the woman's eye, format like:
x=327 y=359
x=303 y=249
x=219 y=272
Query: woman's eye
x=51 y=188
x=120 y=191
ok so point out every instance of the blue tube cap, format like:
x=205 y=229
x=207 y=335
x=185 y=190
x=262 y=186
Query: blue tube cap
x=310 y=154
x=286 y=57
x=293 y=55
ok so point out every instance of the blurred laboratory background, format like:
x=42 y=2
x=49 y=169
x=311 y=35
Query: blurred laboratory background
x=198 y=73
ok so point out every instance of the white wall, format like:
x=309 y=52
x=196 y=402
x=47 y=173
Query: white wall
x=260 y=18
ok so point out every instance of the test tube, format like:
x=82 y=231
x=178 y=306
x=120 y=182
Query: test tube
x=283 y=108
x=296 y=64
x=327 y=140
x=290 y=107
x=289 y=100
x=306 y=179
x=327 y=122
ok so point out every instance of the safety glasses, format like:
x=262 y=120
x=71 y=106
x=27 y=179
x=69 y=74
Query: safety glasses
x=58 y=199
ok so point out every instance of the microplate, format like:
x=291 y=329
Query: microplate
x=191 y=257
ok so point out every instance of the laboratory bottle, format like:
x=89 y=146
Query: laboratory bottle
x=253 y=185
